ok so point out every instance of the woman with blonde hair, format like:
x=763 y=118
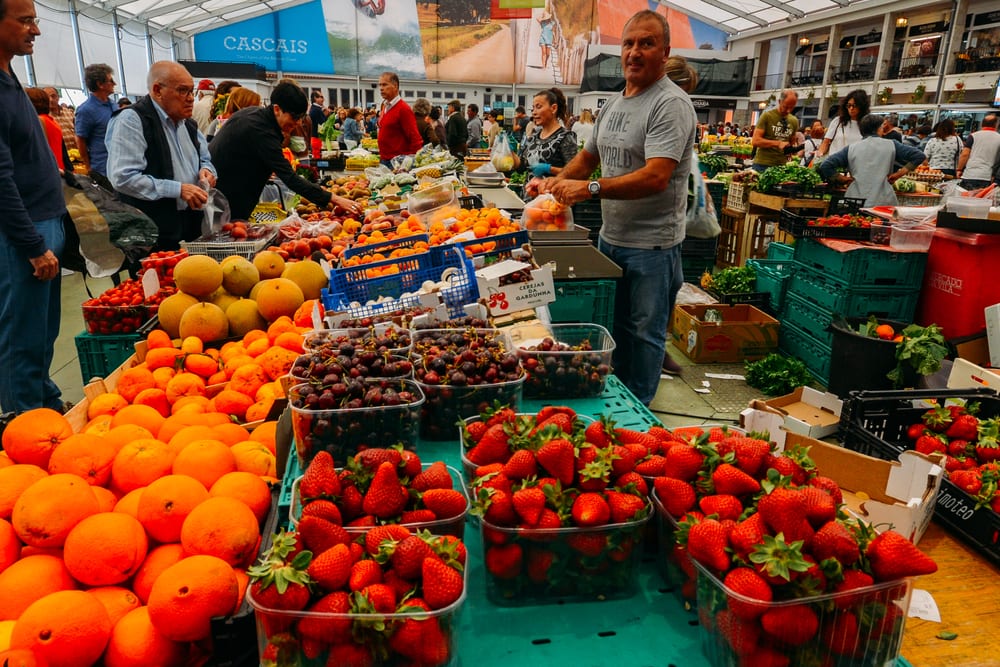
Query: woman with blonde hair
x=584 y=127
x=682 y=73
x=239 y=98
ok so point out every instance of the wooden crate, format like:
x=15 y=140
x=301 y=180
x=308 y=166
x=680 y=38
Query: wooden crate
x=777 y=202
x=746 y=237
x=727 y=250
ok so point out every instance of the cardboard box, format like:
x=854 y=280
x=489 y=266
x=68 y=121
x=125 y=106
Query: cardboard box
x=967 y=375
x=900 y=494
x=993 y=333
x=743 y=333
x=501 y=300
x=805 y=411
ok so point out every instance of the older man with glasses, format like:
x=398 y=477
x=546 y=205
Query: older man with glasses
x=158 y=160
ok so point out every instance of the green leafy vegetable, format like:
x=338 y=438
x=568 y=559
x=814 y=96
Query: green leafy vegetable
x=920 y=352
x=713 y=161
x=773 y=176
x=777 y=374
x=734 y=280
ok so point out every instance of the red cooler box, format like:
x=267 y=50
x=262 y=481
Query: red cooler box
x=957 y=282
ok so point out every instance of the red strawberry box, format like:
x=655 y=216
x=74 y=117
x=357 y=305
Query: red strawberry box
x=862 y=626
x=569 y=361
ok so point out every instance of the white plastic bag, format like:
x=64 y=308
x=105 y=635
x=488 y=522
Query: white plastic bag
x=544 y=213
x=702 y=221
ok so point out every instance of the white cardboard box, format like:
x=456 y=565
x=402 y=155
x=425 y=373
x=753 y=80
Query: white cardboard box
x=967 y=375
x=900 y=494
x=805 y=410
x=993 y=333
x=500 y=300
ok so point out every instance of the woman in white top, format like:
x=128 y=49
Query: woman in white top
x=942 y=150
x=844 y=130
x=584 y=127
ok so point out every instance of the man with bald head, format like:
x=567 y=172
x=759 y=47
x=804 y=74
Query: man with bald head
x=157 y=158
x=775 y=133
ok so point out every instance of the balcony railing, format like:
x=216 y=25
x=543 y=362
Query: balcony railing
x=912 y=68
x=807 y=78
x=769 y=82
x=856 y=73
x=977 y=60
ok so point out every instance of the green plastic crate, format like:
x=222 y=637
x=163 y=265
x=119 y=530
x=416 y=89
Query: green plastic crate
x=101 y=354
x=863 y=267
x=897 y=303
x=815 y=355
x=584 y=301
x=777 y=250
x=772 y=278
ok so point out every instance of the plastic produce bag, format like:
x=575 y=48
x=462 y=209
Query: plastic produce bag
x=216 y=213
x=702 y=221
x=544 y=213
x=501 y=156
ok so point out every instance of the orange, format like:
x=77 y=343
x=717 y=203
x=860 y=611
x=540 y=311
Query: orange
x=234 y=540
x=123 y=434
x=253 y=335
x=267 y=434
x=233 y=362
x=233 y=403
x=259 y=410
x=30 y=579
x=188 y=594
x=84 y=455
x=105 y=404
x=290 y=340
x=13 y=481
x=276 y=362
x=254 y=457
x=280 y=326
x=166 y=503
x=48 y=509
x=205 y=460
x=157 y=560
x=105 y=549
x=31 y=436
x=258 y=347
x=201 y=364
x=248 y=378
x=190 y=402
x=162 y=357
x=192 y=345
x=129 y=503
x=67 y=628
x=10 y=546
x=158 y=338
x=20 y=657
x=246 y=487
x=106 y=499
x=140 y=462
x=243 y=581
x=139 y=415
x=135 y=642
x=99 y=425
x=117 y=601
x=134 y=380
x=188 y=434
x=155 y=398
x=5 y=461
x=163 y=376
x=185 y=384
x=230 y=433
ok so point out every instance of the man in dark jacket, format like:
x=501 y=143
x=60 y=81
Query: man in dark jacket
x=157 y=158
x=31 y=230
x=247 y=150
x=456 y=130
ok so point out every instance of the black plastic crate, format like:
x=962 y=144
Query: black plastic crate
x=875 y=423
x=840 y=205
x=799 y=227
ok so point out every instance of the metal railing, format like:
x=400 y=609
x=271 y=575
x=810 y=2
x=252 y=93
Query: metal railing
x=849 y=74
x=807 y=78
x=769 y=82
x=977 y=60
x=912 y=68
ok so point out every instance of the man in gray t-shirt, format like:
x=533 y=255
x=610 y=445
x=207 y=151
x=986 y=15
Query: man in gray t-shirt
x=642 y=140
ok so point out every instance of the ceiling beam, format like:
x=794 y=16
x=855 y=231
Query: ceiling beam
x=704 y=19
x=785 y=7
x=743 y=15
x=188 y=20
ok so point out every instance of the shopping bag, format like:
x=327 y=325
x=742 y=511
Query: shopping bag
x=702 y=221
x=501 y=156
x=544 y=213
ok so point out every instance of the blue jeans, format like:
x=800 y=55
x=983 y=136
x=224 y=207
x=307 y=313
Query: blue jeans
x=30 y=311
x=644 y=302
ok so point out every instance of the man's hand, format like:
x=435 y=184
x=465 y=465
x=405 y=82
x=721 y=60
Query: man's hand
x=194 y=195
x=568 y=191
x=206 y=175
x=46 y=267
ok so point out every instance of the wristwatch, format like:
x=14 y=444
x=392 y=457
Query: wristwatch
x=595 y=189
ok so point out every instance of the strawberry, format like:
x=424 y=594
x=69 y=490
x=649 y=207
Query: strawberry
x=793 y=624
x=930 y=443
x=747 y=535
x=352 y=502
x=628 y=436
x=407 y=558
x=745 y=582
x=504 y=561
x=834 y=540
x=442 y=584
x=820 y=507
x=318 y=534
x=639 y=452
x=625 y=506
x=330 y=623
x=496 y=506
x=777 y=560
x=784 y=511
x=492 y=447
x=914 y=431
x=320 y=478
x=445 y=503
x=723 y=506
x=652 y=466
x=473 y=431
x=378 y=537
x=386 y=498
x=970 y=481
x=741 y=635
x=961 y=448
x=539 y=562
x=682 y=462
x=448 y=548
x=332 y=568
x=529 y=503
x=661 y=434
x=590 y=509
x=830 y=486
x=492 y=477
x=841 y=636
x=937 y=419
x=548 y=411
x=706 y=542
x=892 y=556
x=676 y=496
x=733 y=481
x=853 y=580
x=417 y=516
x=276 y=584
x=381 y=597
x=547 y=520
x=434 y=476
x=364 y=573
x=411 y=465
x=589 y=544
x=786 y=467
x=622 y=460
x=560 y=420
x=499 y=414
x=988 y=445
x=350 y=654
x=750 y=453
x=521 y=465
x=419 y=637
x=373 y=458
x=964 y=427
x=635 y=480
x=558 y=458
x=765 y=656
x=325 y=509
x=600 y=433
x=364 y=521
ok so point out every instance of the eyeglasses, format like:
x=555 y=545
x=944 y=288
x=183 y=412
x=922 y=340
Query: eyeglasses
x=29 y=21
x=851 y=105
x=183 y=91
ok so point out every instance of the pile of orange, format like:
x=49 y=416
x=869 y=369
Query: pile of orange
x=119 y=544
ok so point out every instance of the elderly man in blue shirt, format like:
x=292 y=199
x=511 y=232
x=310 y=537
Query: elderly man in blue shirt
x=157 y=158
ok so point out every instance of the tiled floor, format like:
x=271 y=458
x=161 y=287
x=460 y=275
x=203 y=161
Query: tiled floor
x=681 y=401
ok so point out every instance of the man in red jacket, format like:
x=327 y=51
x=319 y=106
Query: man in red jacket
x=397 y=126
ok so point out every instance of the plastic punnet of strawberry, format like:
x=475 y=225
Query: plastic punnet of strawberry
x=358 y=607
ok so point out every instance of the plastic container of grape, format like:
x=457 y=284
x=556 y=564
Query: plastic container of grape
x=306 y=368
x=322 y=340
x=571 y=372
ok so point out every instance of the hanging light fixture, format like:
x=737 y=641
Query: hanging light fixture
x=803 y=41
x=902 y=22
x=762 y=106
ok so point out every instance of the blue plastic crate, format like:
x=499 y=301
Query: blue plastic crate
x=503 y=246
x=863 y=266
x=385 y=247
x=772 y=279
x=897 y=303
x=800 y=345
x=100 y=354
x=777 y=250
x=591 y=301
